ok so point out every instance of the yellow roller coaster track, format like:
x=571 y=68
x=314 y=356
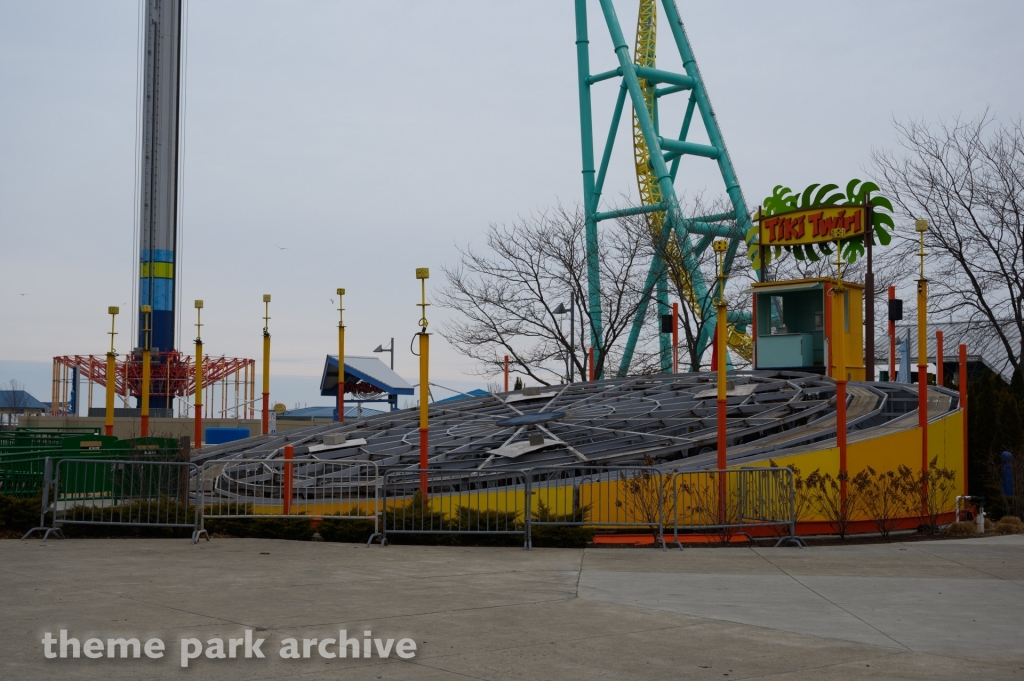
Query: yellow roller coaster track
x=650 y=192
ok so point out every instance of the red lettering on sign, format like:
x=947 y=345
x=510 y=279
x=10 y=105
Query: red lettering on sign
x=854 y=223
x=798 y=227
x=815 y=220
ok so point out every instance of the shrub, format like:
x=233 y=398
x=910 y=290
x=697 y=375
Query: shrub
x=961 y=529
x=561 y=536
x=18 y=514
x=649 y=497
x=937 y=489
x=469 y=519
x=1009 y=524
x=886 y=497
x=826 y=496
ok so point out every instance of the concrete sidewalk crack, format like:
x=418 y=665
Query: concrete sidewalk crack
x=579 y=573
x=830 y=601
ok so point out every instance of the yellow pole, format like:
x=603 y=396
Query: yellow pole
x=341 y=357
x=921 y=226
x=266 y=364
x=108 y=427
x=721 y=246
x=197 y=437
x=423 y=273
x=146 y=359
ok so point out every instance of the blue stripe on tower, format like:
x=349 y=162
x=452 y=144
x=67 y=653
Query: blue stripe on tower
x=156 y=255
x=163 y=293
x=163 y=330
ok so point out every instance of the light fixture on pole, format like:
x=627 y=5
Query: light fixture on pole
x=341 y=358
x=560 y=310
x=198 y=399
x=390 y=348
x=423 y=273
x=266 y=364
x=108 y=425
x=721 y=246
x=921 y=226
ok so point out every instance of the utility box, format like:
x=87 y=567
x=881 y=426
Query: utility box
x=792 y=326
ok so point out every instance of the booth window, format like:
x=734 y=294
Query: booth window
x=846 y=311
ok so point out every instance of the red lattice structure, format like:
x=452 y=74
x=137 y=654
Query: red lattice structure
x=172 y=375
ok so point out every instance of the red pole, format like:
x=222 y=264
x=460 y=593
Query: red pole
x=841 y=434
x=592 y=364
x=892 y=339
x=506 y=373
x=939 y=357
x=286 y=494
x=963 y=403
x=675 y=338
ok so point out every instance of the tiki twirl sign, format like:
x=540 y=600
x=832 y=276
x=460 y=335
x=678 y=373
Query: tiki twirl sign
x=811 y=225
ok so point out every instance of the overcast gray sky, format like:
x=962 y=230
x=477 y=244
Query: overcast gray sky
x=369 y=139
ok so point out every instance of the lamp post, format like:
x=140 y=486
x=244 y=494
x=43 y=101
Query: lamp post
x=198 y=436
x=147 y=310
x=423 y=273
x=390 y=348
x=341 y=358
x=571 y=358
x=108 y=426
x=839 y=360
x=721 y=246
x=921 y=226
x=266 y=363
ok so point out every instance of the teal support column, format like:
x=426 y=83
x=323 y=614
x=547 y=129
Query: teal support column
x=685 y=230
x=732 y=184
x=589 y=195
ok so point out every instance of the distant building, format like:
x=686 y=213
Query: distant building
x=14 y=403
x=985 y=350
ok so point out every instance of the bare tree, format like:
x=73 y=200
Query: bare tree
x=508 y=294
x=967 y=179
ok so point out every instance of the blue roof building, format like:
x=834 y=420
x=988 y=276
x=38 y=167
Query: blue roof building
x=367 y=379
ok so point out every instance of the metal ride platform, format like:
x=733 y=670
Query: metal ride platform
x=667 y=421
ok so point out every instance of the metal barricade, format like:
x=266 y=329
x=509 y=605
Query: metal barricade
x=724 y=503
x=289 y=488
x=601 y=497
x=457 y=502
x=45 y=506
x=123 y=493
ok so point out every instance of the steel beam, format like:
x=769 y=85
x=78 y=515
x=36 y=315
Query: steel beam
x=589 y=196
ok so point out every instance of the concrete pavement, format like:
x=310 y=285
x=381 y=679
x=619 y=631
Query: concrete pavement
x=920 y=610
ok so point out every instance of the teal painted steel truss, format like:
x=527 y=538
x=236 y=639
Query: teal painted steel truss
x=693 y=234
